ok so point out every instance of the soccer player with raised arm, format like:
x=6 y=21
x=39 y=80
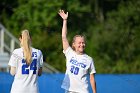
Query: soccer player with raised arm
x=78 y=63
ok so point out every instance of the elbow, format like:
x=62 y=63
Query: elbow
x=40 y=72
x=92 y=78
x=12 y=73
x=63 y=37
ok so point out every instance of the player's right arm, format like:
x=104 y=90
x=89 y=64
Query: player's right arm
x=12 y=63
x=12 y=70
x=65 y=42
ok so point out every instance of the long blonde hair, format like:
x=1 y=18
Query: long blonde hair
x=26 y=44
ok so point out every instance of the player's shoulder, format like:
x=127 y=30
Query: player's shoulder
x=36 y=50
x=18 y=50
x=88 y=57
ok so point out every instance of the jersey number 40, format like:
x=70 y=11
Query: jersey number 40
x=26 y=68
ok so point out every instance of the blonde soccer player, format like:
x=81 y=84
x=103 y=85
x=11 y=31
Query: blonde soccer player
x=25 y=65
x=78 y=63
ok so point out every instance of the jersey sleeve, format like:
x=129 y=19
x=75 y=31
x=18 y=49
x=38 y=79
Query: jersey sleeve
x=13 y=59
x=68 y=52
x=92 y=67
x=40 y=59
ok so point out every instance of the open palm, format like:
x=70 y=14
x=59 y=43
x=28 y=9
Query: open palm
x=63 y=14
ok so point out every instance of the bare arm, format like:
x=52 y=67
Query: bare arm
x=93 y=83
x=64 y=29
x=12 y=70
x=40 y=71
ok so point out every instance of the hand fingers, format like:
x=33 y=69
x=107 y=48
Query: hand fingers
x=67 y=13
x=61 y=11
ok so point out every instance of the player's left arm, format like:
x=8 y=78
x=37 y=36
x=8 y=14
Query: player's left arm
x=40 y=71
x=93 y=82
x=40 y=64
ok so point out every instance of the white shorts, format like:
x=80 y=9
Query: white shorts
x=66 y=91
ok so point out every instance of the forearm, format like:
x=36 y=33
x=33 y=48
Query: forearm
x=93 y=85
x=64 y=29
x=12 y=70
x=64 y=35
x=40 y=71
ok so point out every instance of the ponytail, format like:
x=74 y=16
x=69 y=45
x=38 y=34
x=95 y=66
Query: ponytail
x=26 y=44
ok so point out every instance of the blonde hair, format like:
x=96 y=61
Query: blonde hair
x=26 y=44
x=74 y=38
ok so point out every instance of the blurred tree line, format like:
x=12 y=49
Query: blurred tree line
x=111 y=28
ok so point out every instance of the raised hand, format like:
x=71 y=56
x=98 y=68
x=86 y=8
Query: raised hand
x=64 y=29
x=63 y=14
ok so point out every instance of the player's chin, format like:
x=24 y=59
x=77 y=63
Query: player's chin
x=81 y=50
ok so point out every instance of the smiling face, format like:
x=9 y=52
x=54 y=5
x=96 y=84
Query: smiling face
x=78 y=44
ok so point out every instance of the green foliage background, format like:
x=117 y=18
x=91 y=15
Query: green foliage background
x=111 y=28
